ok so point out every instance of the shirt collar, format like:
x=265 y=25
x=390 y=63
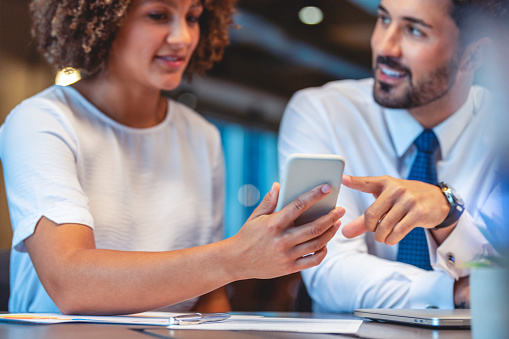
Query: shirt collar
x=403 y=128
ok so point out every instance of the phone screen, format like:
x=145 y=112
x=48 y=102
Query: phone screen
x=302 y=173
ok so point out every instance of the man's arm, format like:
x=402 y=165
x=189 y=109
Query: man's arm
x=400 y=206
x=350 y=278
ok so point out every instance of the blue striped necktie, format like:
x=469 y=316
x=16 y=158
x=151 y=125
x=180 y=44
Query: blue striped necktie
x=413 y=249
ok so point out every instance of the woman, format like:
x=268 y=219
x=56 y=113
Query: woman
x=116 y=192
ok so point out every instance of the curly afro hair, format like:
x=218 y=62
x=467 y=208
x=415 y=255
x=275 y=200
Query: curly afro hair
x=80 y=33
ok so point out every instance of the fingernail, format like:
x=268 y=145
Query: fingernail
x=337 y=224
x=326 y=188
x=273 y=188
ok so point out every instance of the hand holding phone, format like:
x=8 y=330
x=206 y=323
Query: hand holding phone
x=303 y=172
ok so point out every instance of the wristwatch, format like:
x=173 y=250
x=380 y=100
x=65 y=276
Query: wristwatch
x=456 y=203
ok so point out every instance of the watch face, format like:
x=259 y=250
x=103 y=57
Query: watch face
x=456 y=204
x=455 y=196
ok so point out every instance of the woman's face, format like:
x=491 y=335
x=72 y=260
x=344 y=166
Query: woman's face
x=155 y=43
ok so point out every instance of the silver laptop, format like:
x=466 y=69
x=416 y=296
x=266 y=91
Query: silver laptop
x=458 y=318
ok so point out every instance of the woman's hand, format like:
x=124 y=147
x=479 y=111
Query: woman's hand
x=268 y=245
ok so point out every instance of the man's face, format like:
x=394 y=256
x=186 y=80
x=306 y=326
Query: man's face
x=415 y=52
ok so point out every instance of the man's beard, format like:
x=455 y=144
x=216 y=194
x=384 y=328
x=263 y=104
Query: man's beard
x=432 y=87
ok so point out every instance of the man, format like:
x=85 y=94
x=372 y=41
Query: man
x=409 y=135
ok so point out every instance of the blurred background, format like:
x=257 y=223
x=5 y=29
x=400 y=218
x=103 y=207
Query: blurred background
x=281 y=47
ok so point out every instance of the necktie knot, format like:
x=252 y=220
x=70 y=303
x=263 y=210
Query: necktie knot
x=426 y=142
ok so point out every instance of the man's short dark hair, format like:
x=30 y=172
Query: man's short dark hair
x=475 y=18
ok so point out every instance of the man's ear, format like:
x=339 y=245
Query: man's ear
x=475 y=54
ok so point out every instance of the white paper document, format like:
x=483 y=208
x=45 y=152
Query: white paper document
x=234 y=323
x=146 y=318
x=258 y=323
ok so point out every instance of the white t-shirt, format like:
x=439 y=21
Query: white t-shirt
x=342 y=118
x=152 y=189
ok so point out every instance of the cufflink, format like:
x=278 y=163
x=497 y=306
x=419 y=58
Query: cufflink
x=450 y=259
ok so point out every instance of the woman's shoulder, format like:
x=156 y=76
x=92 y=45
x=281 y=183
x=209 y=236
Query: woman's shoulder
x=54 y=99
x=48 y=109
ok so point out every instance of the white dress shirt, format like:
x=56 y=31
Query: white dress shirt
x=139 y=189
x=342 y=118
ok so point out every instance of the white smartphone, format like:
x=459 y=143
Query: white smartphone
x=303 y=172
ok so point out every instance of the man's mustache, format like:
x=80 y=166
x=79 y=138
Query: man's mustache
x=391 y=62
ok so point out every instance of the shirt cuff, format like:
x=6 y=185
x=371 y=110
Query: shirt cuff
x=463 y=244
x=432 y=289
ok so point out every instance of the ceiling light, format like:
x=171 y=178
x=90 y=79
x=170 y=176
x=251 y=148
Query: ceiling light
x=188 y=99
x=311 y=15
x=248 y=195
x=67 y=76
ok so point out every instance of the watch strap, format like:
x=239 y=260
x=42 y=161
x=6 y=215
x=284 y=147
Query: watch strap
x=456 y=204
